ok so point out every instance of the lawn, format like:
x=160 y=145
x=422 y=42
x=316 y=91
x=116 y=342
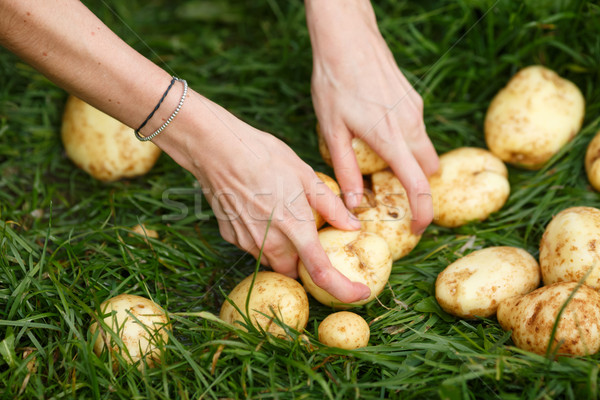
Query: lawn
x=65 y=242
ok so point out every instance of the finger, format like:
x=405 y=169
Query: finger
x=409 y=172
x=345 y=165
x=320 y=269
x=424 y=152
x=330 y=206
x=281 y=253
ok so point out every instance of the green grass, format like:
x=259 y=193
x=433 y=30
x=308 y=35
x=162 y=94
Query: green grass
x=64 y=243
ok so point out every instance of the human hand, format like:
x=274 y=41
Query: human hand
x=249 y=177
x=359 y=91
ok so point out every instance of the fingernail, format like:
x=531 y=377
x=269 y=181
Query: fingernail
x=366 y=293
x=354 y=221
x=353 y=200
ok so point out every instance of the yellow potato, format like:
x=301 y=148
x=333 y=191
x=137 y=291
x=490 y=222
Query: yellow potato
x=532 y=317
x=470 y=184
x=475 y=284
x=389 y=215
x=361 y=256
x=273 y=296
x=335 y=188
x=102 y=146
x=592 y=162
x=570 y=246
x=368 y=161
x=345 y=330
x=535 y=115
x=143 y=339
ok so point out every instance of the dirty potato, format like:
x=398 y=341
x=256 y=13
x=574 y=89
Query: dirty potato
x=470 y=184
x=344 y=329
x=335 y=188
x=592 y=162
x=532 y=317
x=386 y=212
x=570 y=247
x=531 y=118
x=475 y=284
x=361 y=256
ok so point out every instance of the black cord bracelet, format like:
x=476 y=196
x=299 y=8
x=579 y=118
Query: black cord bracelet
x=137 y=131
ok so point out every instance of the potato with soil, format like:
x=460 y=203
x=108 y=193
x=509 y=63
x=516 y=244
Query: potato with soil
x=475 y=284
x=570 y=247
x=361 y=256
x=344 y=329
x=274 y=297
x=141 y=325
x=592 y=162
x=531 y=319
x=470 y=184
x=386 y=212
x=102 y=146
x=335 y=188
x=533 y=117
x=368 y=161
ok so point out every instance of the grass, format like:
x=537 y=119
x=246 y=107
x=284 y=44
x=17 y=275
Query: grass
x=65 y=243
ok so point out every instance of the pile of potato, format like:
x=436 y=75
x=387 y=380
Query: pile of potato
x=527 y=123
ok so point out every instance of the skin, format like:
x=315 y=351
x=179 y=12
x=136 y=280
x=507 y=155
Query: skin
x=359 y=91
x=73 y=48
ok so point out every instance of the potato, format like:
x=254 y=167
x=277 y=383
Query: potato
x=389 y=215
x=592 y=162
x=470 y=184
x=143 y=339
x=475 y=284
x=344 y=329
x=102 y=146
x=570 y=246
x=361 y=256
x=368 y=161
x=273 y=296
x=531 y=118
x=531 y=319
x=332 y=184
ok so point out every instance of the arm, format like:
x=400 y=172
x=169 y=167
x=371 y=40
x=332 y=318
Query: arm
x=246 y=174
x=359 y=91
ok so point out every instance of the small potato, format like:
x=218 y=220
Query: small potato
x=102 y=146
x=345 y=330
x=335 y=188
x=570 y=246
x=592 y=162
x=535 y=115
x=142 y=339
x=475 y=284
x=273 y=296
x=470 y=184
x=368 y=161
x=361 y=256
x=532 y=317
x=389 y=215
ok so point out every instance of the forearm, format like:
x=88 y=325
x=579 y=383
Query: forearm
x=67 y=43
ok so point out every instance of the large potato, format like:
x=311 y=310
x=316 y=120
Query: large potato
x=335 y=188
x=570 y=246
x=475 y=284
x=530 y=119
x=140 y=324
x=344 y=329
x=274 y=296
x=361 y=256
x=102 y=146
x=388 y=214
x=368 y=161
x=592 y=162
x=531 y=319
x=470 y=184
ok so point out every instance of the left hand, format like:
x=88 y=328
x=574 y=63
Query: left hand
x=359 y=91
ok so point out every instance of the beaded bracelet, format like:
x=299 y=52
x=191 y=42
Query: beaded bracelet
x=168 y=121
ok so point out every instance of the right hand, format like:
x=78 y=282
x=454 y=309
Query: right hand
x=249 y=176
